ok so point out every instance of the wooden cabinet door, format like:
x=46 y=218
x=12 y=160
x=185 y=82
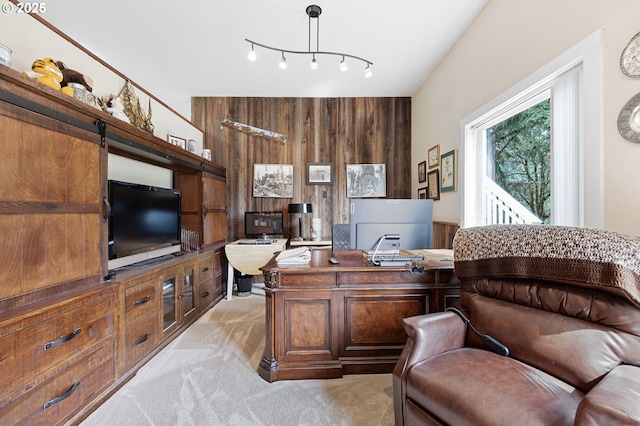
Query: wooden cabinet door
x=214 y=198
x=51 y=197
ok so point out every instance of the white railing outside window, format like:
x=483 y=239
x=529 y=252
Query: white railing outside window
x=577 y=180
x=503 y=208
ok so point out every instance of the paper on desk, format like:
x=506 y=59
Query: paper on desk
x=294 y=256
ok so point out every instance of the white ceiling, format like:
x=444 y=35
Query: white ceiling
x=183 y=48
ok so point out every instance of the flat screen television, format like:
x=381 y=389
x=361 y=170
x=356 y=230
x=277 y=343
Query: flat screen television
x=257 y=224
x=411 y=219
x=144 y=223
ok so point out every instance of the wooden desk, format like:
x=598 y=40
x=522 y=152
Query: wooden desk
x=324 y=320
x=248 y=258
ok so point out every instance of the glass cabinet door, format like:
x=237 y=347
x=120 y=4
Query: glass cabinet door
x=168 y=303
x=188 y=300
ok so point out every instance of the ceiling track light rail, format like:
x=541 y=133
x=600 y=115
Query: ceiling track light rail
x=314 y=13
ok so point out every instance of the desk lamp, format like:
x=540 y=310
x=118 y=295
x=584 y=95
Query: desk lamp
x=300 y=208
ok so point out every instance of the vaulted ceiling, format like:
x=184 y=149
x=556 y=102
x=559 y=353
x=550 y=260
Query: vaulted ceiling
x=183 y=48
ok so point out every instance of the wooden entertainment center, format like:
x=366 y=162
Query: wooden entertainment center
x=71 y=333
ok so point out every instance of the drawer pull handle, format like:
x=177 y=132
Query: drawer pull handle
x=62 y=397
x=205 y=294
x=141 y=301
x=144 y=339
x=205 y=269
x=62 y=339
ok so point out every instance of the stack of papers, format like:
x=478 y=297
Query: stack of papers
x=295 y=256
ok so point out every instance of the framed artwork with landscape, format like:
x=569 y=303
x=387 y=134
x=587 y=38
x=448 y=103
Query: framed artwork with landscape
x=273 y=180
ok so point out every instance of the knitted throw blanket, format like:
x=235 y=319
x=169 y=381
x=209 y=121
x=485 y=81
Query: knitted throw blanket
x=585 y=257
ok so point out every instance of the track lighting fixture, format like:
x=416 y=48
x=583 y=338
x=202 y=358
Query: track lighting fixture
x=343 y=65
x=367 y=71
x=252 y=54
x=313 y=12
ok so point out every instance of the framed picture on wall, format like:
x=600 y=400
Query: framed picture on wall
x=449 y=169
x=366 y=180
x=422 y=172
x=273 y=180
x=320 y=174
x=422 y=193
x=433 y=180
x=433 y=156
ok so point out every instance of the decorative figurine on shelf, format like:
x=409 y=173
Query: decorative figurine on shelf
x=116 y=109
x=73 y=76
x=77 y=85
x=46 y=72
x=133 y=109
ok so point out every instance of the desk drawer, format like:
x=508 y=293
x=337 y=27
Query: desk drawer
x=141 y=301
x=387 y=278
x=58 y=398
x=308 y=280
x=51 y=340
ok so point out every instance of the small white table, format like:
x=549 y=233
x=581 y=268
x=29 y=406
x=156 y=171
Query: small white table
x=249 y=258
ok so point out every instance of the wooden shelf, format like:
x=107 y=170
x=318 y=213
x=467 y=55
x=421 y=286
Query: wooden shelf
x=123 y=137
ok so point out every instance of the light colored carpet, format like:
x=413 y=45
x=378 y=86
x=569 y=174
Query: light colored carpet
x=208 y=376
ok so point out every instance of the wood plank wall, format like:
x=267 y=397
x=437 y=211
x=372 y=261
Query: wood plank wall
x=443 y=233
x=319 y=130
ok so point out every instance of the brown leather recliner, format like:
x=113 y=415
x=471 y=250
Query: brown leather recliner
x=566 y=304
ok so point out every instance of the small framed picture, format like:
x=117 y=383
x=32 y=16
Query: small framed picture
x=422 y=193
x=319 y=174
x=177 y=141
x=366 y=180
x=433 y=156
x=433 y=180
x=449 y=169
x=422 y=172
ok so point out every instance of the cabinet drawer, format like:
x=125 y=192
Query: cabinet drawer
x=141 y=301
x=140 y=339
x=53 y=401
x=217 y=259
x=206 y=293
x=51 y=340
x=205 y=267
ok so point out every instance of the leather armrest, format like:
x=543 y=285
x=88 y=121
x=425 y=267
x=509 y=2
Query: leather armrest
x=614 y=400
x=427 y=335
x=432 y=334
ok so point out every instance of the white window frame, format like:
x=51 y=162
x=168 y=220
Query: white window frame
x=589 y=167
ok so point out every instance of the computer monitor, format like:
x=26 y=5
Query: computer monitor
x=411 y=219
x=257 y=224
